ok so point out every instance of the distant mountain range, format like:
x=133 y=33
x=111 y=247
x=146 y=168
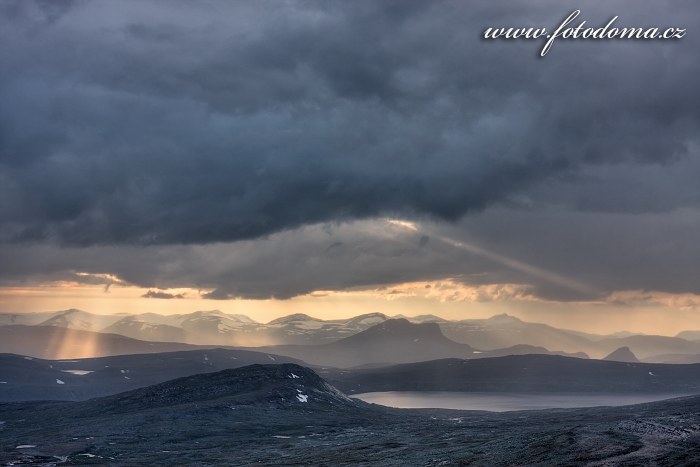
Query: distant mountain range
x=203 y=327
x=498 y=332
x=394 y=341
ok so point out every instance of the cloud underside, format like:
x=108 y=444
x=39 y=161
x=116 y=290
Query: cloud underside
x=252 y=149
x=595 y=260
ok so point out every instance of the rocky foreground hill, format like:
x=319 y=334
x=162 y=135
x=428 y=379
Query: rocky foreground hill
x=287 y=415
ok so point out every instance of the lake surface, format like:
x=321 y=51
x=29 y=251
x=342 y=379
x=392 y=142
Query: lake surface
x=504 y=402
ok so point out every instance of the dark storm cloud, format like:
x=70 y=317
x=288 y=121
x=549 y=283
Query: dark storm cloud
x=162 y=295
x=604 y=252
x=282 y=266
x=178 y=122
x=137 y=136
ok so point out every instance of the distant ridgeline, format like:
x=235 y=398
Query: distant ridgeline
x=78 y=334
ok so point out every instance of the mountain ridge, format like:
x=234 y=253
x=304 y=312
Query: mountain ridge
x=214 y=327
x=25 y=378
x=284 y=385
x=521 y=374
x=393 y=341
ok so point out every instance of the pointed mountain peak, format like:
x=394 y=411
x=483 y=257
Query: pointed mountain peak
x=623 y=354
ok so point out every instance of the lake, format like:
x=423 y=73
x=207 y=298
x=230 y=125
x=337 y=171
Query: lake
x=504 y=402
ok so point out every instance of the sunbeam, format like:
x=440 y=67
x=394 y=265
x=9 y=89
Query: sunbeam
x=548 y=276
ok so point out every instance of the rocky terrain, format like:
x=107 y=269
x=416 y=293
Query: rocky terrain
x=288 y=415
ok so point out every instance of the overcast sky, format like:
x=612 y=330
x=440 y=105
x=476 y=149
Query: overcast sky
x=226 y=151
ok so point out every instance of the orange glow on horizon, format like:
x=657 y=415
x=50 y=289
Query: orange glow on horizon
x=634 y=311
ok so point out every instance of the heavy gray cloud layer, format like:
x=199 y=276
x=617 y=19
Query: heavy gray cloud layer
x=154 y=122
x=163 y=123
x=603 y=252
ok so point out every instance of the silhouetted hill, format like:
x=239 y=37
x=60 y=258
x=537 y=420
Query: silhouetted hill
x=286 y=385
x=390 y=342
x=682 y=359
x=623 y=354
x=522 y=349
x=522 y=373
x=393 y=341
x=648 y=346
x=504 y=330
x=56 y=342
x=26 y=378
x=689 y=335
